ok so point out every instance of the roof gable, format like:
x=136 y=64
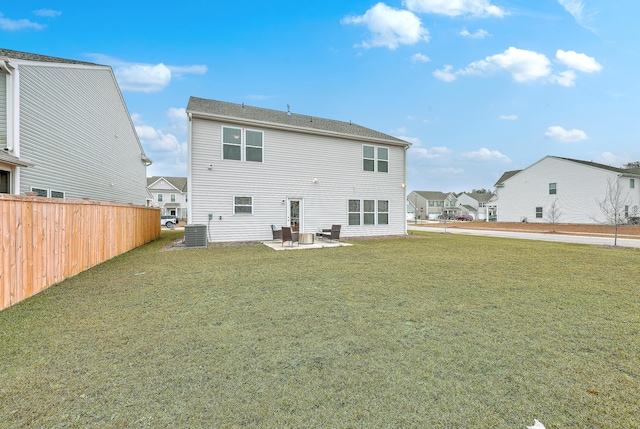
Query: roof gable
x=179 y=183
x=257 y=116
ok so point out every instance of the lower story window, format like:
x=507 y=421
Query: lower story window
x=354 y=212
x=40 y=192
x=243 y=205
x=368 y=212
x=4 y=182
x=57 y=194
x=383 y=212
x=539 y=212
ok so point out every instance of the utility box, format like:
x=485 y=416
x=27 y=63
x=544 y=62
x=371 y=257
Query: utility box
x=195 y=235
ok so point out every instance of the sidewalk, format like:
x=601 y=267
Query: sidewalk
x=560 y=238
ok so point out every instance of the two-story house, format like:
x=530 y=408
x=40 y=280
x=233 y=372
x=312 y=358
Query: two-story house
x=572 y=187
x=477 y=204
x=169 y=194
x=65 y=131
x=434 y=204
x=249 y=168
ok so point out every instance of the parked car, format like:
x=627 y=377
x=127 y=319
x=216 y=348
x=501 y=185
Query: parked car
x=168 y=221
x=466 y=218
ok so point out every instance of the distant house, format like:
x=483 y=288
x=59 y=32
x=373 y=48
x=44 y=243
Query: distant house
x=250 y=168
x=170 y=194
x=434 y=204
x=65 y=131
x=573 y=185
x=476 y=204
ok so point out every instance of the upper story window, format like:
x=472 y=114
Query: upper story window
x=552 y=188
x=375 y=158
x=632 y=183
x=242 y=145
x=160 y=197
x=173 y=198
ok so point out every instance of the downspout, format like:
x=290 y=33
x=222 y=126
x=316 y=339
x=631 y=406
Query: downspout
x=404 y=192
x=189 y=170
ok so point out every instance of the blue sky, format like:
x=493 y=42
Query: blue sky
x=479 y=87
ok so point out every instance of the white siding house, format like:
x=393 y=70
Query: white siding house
x=575 y=186
x=476 y=204
x=250 y=168
x=65 y=131
x=169 y=194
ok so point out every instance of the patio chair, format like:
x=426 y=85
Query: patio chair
x=291 y=237
x=332 y=234
x=277 y=232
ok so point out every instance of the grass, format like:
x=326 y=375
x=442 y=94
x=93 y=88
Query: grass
x=430 y=331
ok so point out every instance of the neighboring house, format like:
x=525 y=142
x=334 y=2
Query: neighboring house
x=575 y=186
x=434 y=204
x=250 y=168
x=170 y=194
x=476 y=204
x=65 y=131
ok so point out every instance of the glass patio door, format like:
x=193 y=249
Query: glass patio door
x=294 y=216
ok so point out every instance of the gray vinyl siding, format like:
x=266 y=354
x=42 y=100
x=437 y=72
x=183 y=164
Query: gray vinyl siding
x=291 y=160
x=76 y=129
x=3 y=110
x=578 y=189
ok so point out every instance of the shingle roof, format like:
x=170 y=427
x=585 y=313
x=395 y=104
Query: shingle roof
x=222 y=109
x=506 y=175
x=179 y=182
x=36 y=57
x=481 y=197
x=433 y=195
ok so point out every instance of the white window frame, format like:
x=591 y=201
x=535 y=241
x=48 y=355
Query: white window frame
x=159 y=198
x=365 y=214
x=236 y=205
x=36 y=189
x=51 y=191
x=539 y=212
x=242 y=144
x=172 y=197
x=377 y=159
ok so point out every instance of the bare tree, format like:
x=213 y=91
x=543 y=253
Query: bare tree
x=613 y=205
x=631 y=165
x=553 y=214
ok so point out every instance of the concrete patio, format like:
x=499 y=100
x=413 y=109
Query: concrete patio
x=317 y=244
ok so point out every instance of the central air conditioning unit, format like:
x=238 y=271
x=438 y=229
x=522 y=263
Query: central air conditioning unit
x=195 y=235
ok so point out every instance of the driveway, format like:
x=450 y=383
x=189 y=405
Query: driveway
x=561 y=238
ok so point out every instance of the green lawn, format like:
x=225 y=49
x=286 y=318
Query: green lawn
x=429 y=331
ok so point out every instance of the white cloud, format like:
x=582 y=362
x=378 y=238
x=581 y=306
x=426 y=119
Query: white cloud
x=609 y=158
x=523 y=65
x=141 y=77
x=168 y=153
x=430 y=153
x=508 y=117
x=557 y=132
x=420 y=58
x=48 y=13
x=580 y=62
x=484 y=154
x=390 y=27
x=451 y=170
x=18 y=24
x=445 y=74
x=480 y=34
x=576 y=9
x=479 y=8
x=566 y=78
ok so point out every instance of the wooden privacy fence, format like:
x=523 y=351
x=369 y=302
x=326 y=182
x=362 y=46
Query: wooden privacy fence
x=45 y=240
